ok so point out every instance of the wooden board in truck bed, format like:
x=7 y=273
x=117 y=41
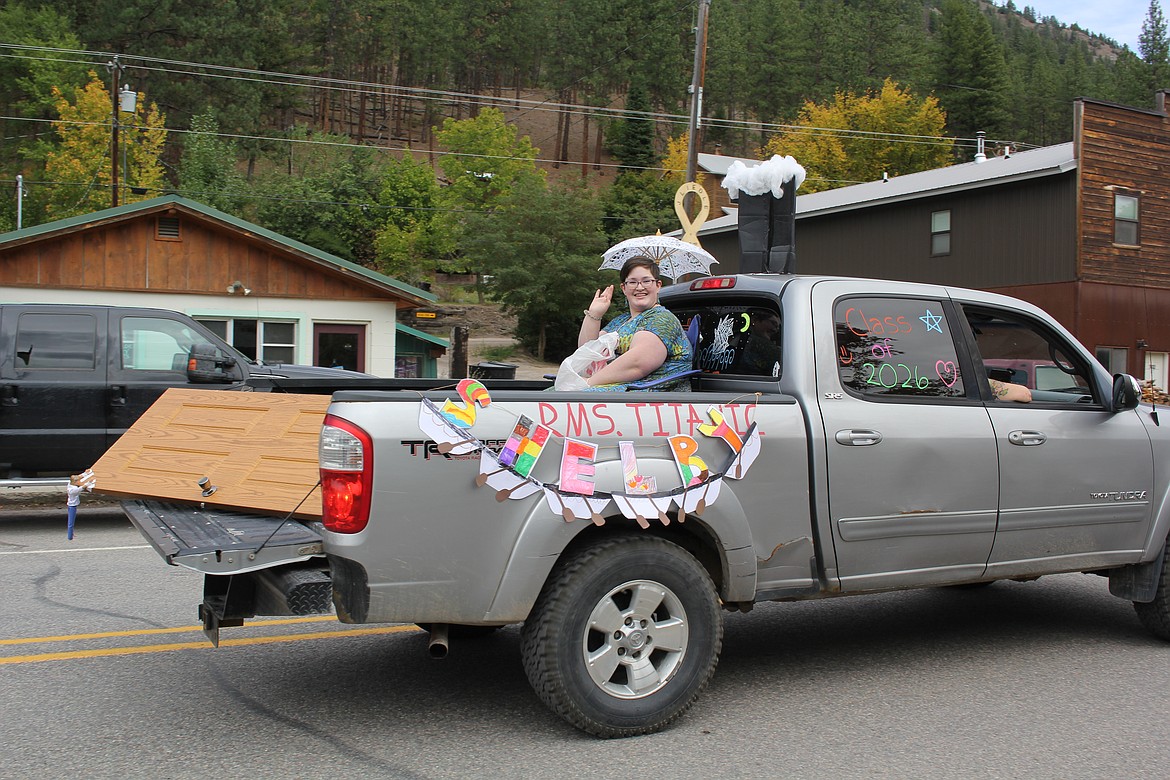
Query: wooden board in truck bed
x=258 y=450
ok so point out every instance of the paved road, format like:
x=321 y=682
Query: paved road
x=104 y=675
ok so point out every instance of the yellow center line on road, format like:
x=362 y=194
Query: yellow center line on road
x=75 y=550
x=256 y=640
x=32 y=640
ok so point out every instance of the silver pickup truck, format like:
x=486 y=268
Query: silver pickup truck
x=842 y=436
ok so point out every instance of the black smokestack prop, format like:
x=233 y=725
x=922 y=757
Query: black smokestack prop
x=766 y=195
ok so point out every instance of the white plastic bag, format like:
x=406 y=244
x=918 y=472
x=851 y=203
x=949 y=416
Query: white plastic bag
x=589 y=357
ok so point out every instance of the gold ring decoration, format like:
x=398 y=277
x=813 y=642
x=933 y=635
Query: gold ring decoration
x=691 y=227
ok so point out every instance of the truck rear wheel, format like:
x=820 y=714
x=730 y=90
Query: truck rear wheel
x=624 y=636
x=1155 y=615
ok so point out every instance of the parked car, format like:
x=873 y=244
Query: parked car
x=74 y=377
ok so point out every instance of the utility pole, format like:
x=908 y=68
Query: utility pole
x=116 y=67
x=697 y=89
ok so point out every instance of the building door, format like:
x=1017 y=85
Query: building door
x=1155 y=369
x=339 y=346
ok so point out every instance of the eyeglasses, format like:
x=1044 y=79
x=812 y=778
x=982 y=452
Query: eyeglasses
x=634 y=284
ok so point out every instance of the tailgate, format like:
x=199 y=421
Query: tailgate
x=223 y=541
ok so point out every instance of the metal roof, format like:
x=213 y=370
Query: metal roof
x=422 y=335
x=718 y=164
x=1019 y=166
x=26 y=235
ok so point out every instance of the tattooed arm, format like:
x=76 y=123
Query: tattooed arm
x=1006 y=391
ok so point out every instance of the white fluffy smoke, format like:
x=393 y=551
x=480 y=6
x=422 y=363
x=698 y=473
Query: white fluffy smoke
x=767 y=176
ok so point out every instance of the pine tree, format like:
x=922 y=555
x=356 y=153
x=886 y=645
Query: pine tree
x=972 y=72
x=1154 y=48
x=635 y=144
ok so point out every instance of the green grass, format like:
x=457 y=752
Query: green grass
x=458 y=295
x=500 y=353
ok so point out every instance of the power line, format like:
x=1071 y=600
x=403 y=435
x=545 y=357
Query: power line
x=451 y=97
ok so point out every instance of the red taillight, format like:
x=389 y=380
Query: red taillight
x=713 y=283
x=346 y=459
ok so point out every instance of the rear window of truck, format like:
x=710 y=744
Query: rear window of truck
x=741 y=339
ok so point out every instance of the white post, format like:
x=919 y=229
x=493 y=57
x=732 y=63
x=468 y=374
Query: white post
x=19 y=200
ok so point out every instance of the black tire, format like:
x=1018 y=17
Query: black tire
x=1155 y=615
x=663 y=630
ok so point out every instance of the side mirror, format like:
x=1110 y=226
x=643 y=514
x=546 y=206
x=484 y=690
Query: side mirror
x=1126 y=392
x=206 y=365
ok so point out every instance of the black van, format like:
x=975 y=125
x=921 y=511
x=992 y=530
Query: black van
x=74 y=377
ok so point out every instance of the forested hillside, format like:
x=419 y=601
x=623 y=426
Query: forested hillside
x=297 y=115
x=998 y=69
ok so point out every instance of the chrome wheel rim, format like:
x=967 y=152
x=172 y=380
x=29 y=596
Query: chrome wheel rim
x=635 y=639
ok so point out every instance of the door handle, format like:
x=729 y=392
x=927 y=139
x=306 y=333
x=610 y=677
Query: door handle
x=858 y=438
x=117 y=395
x=8 y=396
x=1027 y=438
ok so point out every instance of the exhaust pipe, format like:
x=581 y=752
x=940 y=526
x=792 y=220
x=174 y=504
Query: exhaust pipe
x=437 y=647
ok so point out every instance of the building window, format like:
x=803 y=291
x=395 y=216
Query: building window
x=271 y=341
x=940 y=233
x=1114 y=359
x=278 y=342
x=1125 y=220
x=408 y=365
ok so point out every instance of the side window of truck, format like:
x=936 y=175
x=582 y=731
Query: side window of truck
x=896 y=348
x=56 y=341
x=155 y=344
x=1018 y=350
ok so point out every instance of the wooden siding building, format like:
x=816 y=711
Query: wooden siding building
x=273 y=298
x=1081 y=229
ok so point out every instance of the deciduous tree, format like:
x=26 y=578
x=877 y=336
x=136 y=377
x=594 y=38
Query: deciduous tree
x=857 y=138
x=80 y=165
x=485 y=159
x=410 y=243
x=544 y=245
x=207 y=167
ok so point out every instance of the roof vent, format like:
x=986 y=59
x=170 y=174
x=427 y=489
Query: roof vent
x=980 y=151
x=168 y=228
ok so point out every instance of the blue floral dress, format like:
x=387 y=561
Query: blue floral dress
x=663 y=324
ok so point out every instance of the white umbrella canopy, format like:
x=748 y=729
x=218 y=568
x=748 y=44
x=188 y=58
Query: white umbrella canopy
x=674 y=257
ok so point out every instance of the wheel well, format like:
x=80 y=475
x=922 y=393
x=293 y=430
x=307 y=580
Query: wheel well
x=693 y=536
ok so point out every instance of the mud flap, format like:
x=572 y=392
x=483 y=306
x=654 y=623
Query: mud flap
x=1138 y=582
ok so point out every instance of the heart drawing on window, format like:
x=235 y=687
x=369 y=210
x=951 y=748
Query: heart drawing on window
x=947 y=371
